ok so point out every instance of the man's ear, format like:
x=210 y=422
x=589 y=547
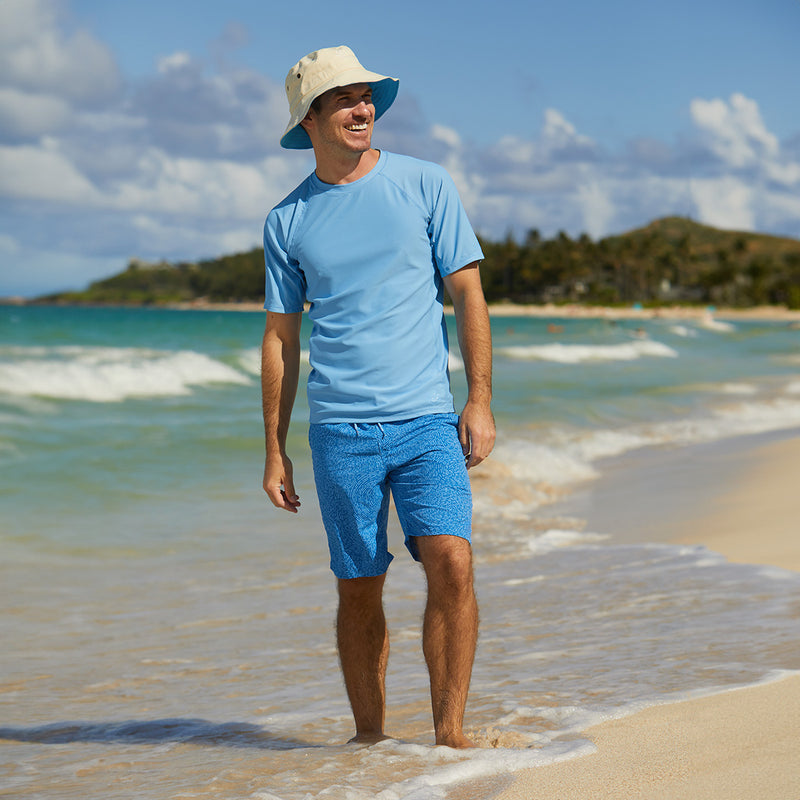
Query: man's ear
x=307 y=121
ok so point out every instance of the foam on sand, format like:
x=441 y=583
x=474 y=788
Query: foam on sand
x=742 y=742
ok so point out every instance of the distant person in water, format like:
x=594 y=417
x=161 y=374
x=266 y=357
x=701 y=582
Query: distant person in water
x=369 y=240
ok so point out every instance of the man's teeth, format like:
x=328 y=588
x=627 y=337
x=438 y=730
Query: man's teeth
x=361 y=127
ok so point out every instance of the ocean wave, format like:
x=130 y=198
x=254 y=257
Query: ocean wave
x=737 y=389
x=721 y=423
x=524 y=474
x=710 y=324
x=108 y=374
x=684 y=331
x=250 y=360
x=580 y=353
x=553 y=539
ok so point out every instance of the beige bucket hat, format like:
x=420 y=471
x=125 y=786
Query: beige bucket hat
x=326 y=69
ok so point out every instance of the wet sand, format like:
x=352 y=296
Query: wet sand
x=738 y=745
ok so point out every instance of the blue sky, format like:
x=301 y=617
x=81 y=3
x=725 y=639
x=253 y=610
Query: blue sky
x=150 y=129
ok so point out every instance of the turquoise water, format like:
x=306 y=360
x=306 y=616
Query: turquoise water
x=166 y=630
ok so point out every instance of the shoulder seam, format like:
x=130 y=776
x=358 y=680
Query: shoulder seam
x=410 y=198
x=301 y=212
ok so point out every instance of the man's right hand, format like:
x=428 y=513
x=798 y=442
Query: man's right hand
x=279 y=484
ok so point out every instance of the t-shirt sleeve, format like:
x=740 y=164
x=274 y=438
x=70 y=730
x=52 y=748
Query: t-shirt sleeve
x=452 y=238
x=285 y=284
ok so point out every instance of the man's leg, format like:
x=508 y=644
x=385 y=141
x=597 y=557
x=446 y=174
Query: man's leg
x=363 y=642
x=450 y=632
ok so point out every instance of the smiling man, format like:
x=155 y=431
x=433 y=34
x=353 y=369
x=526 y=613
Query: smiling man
x=369 y=240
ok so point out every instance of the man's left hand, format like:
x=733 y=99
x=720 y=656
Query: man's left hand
x=476 y=432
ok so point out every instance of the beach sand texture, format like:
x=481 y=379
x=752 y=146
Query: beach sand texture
x=739 y=745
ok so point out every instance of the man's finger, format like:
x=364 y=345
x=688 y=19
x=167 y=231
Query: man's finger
x=283 y=496
x=482 y=444
x=463 y=437
x=291 y=500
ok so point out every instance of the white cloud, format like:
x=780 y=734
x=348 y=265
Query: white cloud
x=203 y=188
x=173 y=62
x=28 y=115
x=734 y=130
x=780 y=212
x=597 y=207
x=43 y=173
x=724 y=202
x=559 y=134
x=561 y=180
x=783 y=172
x=755 y=182
x=39 y=55
x=169 y=235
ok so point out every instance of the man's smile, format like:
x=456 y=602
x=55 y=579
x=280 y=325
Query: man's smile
x=361 y=126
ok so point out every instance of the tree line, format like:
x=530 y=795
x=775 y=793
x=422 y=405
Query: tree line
x=670 y=261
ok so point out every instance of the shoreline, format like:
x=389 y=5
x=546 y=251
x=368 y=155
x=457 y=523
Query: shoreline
x=501 y=310
x=756 y=313
x=738 y=744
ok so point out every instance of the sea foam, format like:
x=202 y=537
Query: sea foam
x=535 y=468
x=580 y=353
x=109 y=374
x=250 y=360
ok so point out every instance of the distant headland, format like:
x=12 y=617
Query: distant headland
x=671 y=261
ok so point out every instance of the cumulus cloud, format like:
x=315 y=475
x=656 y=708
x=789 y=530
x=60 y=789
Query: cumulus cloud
x=561 y=140
x=199 y=188
x=41 y=55
x=43 y=173
x=728 y=170
x=597 y=207
x=192 y=110
x=750 y=181
x=26 y=116
x=734 y=131
x=724 y=202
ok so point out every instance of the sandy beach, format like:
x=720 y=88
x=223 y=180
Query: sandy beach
x=573 y=311
x=738 y=745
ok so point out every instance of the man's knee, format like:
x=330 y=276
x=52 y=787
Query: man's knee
x=361 y=593
x=447 y=561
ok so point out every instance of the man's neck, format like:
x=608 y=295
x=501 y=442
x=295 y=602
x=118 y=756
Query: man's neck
x=346 y=170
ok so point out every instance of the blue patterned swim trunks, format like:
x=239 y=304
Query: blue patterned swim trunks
x=357 y=465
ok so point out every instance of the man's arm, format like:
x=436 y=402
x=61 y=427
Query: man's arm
x=280 y=368
x=476 y=429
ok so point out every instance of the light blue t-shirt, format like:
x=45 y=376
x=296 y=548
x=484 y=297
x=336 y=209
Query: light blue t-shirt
x=369 y=257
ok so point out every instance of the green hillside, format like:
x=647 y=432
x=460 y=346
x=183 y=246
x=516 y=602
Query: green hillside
x=671 y=260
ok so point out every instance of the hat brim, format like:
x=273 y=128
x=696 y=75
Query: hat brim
x=384 y=91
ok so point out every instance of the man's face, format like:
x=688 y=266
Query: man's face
x=344 y=120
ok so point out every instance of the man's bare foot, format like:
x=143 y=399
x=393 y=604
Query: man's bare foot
x=457 y=740
x=368 y=737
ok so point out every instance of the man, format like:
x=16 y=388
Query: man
x=367 y=240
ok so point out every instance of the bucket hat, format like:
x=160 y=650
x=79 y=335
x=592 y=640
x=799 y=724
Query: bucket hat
x=320 y=71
